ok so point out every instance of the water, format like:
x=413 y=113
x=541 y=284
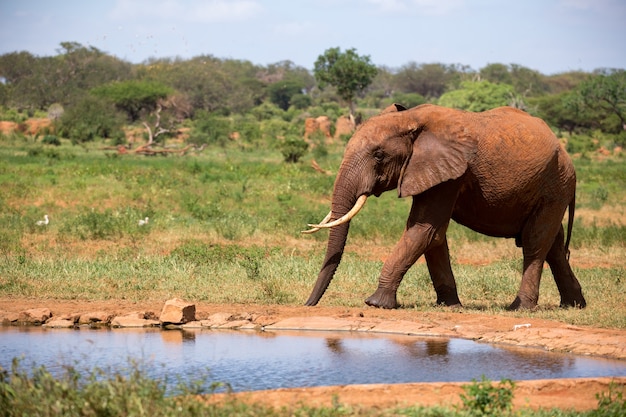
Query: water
x=250 y=360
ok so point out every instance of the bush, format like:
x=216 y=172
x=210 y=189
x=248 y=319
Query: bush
x=483 y=399
x=293 y=148
x=89 y=118
x=51 y=140
x=211 y=129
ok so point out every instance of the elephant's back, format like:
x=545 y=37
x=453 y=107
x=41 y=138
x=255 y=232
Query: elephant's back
x=519 y=164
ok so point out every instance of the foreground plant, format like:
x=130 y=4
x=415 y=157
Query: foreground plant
x=481 y=398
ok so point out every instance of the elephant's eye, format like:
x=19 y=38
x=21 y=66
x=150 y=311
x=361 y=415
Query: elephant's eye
x=379 y=155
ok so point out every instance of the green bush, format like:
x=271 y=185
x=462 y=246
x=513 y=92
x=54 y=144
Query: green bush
x=211 y=129
x=51 y=140
x=90 y=118
x=293 y=148
x=611 y=404
x=481 y=398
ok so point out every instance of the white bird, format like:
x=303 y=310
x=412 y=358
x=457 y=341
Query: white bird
x=143 y=221
x=43 y=222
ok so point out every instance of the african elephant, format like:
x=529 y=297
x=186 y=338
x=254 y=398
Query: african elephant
x=501 y=173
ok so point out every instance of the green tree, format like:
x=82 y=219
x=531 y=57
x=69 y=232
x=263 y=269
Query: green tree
x=348 y=72
x=281 y=92
x=428 y=80
x=133 y=97
x=607 y=91
x=479 y=96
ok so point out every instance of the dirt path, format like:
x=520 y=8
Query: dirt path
x=579 y=394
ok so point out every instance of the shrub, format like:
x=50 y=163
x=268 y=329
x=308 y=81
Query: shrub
x=483 y=399
x=51 y=140
x=89 y=118
x=293 y=148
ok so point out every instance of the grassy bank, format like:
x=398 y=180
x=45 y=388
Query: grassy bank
x=224 y=226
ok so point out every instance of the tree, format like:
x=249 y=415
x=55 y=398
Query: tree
x=281 y=92
x=428 y=80
x=608 y=92
x=348 y=72
x=133 y=97
x=479 y=96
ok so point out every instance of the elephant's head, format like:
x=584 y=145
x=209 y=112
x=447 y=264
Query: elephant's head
x=411 y=150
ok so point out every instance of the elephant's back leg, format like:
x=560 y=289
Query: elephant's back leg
x=537 y=237
x=438 y=262
x=566 y=282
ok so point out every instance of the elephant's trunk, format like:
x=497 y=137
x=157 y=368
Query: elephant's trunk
x=334 y=250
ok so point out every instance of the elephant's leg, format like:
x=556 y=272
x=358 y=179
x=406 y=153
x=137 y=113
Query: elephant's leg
x=425 y=229
x=438 y=262
x=566 y=282
x=537 y=237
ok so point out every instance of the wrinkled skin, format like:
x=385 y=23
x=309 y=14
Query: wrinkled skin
x=501 y=172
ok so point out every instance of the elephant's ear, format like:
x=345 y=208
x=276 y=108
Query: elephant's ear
x=434 y=160
x=395 y=107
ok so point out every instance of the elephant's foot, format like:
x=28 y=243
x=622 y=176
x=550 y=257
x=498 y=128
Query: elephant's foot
x=383 y=298
x=447 y=296
x=576 y=301
x=522 y=304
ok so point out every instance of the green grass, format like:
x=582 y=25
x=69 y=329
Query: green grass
x=225 y=227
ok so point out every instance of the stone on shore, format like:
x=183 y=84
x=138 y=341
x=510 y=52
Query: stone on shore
x=35 y=316
x=95 y=318
x=177 y=311
x=59 y=323
x=135 y=319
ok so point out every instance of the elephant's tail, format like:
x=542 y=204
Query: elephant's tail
x=570 y=225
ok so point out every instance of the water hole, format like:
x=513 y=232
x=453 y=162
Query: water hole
x=254 y=360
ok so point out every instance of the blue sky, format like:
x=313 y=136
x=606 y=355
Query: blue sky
x=550 y=36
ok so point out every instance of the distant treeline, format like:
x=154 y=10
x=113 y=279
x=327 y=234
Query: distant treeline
x=83 y=79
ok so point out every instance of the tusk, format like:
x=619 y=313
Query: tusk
x=316 y=229
x=346 y=218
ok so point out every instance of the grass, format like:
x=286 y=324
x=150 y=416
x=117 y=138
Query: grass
x=225 y=227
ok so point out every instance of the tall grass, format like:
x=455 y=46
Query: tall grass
x=225 y=227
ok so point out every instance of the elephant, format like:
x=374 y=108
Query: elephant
x=500 y=172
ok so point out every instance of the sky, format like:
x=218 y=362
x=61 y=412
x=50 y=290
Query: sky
x=549 y=36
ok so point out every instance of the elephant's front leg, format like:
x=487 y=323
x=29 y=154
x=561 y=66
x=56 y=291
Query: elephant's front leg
x=425 y=231
x=407 y=251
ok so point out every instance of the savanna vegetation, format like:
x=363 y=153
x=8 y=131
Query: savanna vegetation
x=229 y=183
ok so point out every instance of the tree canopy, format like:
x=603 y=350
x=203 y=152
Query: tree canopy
x=348 y=72
x=82 y=83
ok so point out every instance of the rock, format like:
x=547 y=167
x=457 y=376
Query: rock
x=312 y=125
x=135 y=319
x=95 y=318
x=177 y=311
x=344 y=126
x=59 y=323
x=216 y=320
x=8 y=317
x=196 y=324
x=35 y=316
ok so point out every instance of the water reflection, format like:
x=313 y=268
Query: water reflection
x=263 y=360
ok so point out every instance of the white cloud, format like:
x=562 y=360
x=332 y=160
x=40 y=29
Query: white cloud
x=190 y=11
